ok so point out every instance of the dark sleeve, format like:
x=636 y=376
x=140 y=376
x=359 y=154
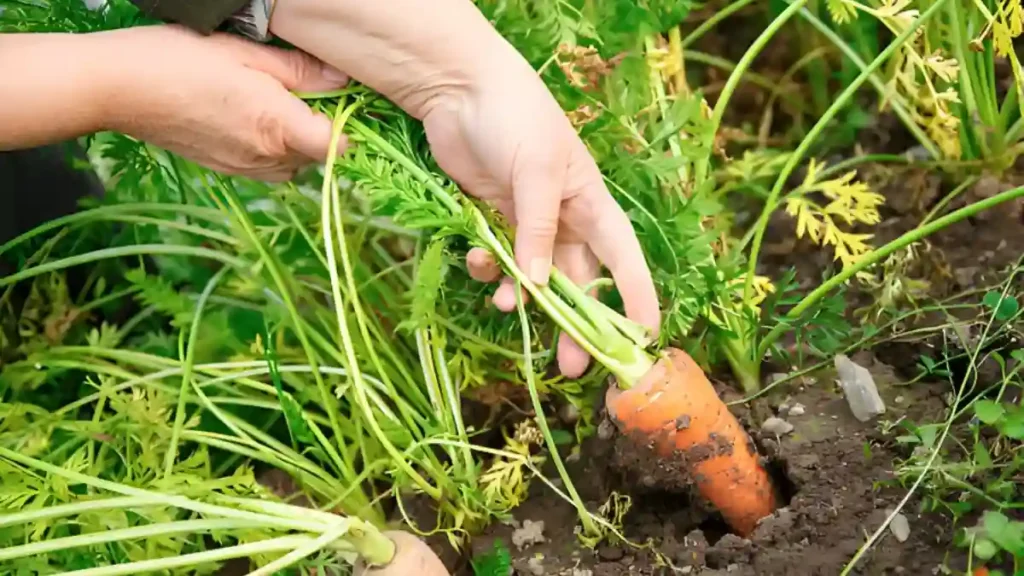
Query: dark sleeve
x=203 y=16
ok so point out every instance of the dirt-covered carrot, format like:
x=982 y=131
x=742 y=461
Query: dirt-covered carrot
x=675 y=406
x=413 y=557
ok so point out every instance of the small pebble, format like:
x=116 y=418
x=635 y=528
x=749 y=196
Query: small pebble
x=536 y=566
x=582 y=572
x=797 y=410
x=900 y=527
x=606 y=429
x=530 y=533
x=777 y=426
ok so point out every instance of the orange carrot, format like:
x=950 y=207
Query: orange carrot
x=981 y=571
x=677 y=409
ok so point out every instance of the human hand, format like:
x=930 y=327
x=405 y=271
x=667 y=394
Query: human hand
x=219 y=100
x=495 y=129
x=510 y=144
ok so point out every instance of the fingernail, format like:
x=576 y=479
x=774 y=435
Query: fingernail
x=540 y=271
x=332 y=74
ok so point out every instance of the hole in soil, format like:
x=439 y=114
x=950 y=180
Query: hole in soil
x=784 y=486
x=714 y=528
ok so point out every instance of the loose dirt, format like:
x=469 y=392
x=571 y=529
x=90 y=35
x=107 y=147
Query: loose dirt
x=836 y=473
x=831 y=468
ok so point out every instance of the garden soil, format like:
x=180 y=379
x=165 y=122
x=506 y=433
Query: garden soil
x=830 y=468
x=836 y=473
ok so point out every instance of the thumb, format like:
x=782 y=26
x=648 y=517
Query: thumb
x=295 y=69
x=307 y=132
x=537 y=191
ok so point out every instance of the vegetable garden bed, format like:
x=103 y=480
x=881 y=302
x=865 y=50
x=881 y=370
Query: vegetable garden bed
x=193 y=364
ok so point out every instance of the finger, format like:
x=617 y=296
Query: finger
x=307 y=132
x=537 y=187
x=580 y=265
x=295 y=69
x=482 y=266
x=599 y=220
x=277 y=175
x=505 y=295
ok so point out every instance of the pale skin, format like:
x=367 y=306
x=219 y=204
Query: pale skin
x=226 y=103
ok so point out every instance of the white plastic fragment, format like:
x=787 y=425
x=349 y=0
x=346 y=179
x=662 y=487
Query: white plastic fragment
x=859 y=389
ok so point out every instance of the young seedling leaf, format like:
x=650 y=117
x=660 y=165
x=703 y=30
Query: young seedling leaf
x=1005 y=307
x=984 y=549
x=982 y=458
x=497 y=562
x=1013 y=425
x=1007 y=534
x=989 y=411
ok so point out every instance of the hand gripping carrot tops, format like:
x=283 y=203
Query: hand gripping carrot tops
x=667 y=401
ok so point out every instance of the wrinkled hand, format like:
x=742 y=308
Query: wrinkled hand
x=221 y=101
x=509 y=143
x=494 y=128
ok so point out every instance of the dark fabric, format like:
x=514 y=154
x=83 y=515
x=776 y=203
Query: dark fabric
x=40 y=184
x=203 y=16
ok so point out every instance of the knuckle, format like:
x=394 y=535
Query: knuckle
x=299 y=65
x=541 y=225
x=270 y=136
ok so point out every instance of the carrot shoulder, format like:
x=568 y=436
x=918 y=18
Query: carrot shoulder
x=677 y=410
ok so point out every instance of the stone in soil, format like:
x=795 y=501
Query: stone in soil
x=776 y=426
x=900 y=527
x=859 y=388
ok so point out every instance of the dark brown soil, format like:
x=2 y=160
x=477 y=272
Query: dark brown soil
x=835 y=500
x=836 y=472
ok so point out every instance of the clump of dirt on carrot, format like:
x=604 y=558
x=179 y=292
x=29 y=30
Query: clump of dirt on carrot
x=675 y=408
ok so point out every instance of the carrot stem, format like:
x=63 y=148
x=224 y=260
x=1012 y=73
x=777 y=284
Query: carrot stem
x=880 y=254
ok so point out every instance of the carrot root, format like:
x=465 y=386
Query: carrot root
x=413 y=557
x=677 y=411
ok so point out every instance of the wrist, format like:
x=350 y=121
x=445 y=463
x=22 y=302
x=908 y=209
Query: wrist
x=417 y=57
x=54 y=88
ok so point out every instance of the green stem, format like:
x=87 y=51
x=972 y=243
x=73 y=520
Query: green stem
x=121 y=252
x=110 y=212
x=880 y=254
x=704 y=164
x=334 y=235
x=77 y=508
x=589 y=527
x=134 y=533
x=377 y=549
x=730 y=9
x=270 y=546
x=296 y=522
x=186 y=374
x=628 y=369
x=895 y=102
x=818 y=128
